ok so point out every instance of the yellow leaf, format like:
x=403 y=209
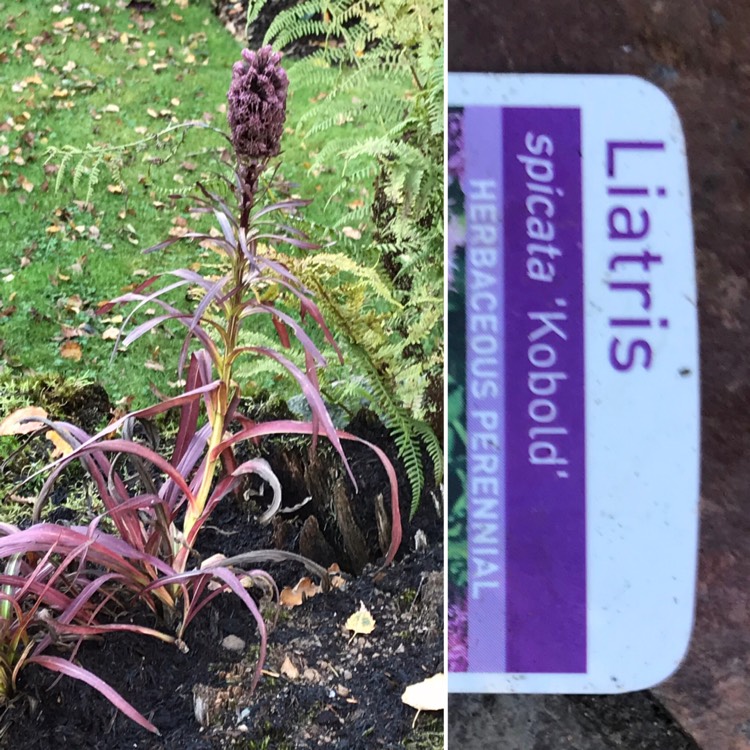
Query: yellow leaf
x=429 y=695
x=361 y=622
x=111 y=333
x=62 y=446
x=111 y=108
x=114 y=188
x=11 y=425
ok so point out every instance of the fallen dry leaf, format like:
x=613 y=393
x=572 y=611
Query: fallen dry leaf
x=11 y=425
x=149 y=365
x=71 y=350
x=361 y=622
x=111 y=334
x=428 y=695
x=289 y=670
x=62 y=446
x=74 y=304
x=305 y=588
x=290 y=598
x=337 y=580
x=73 y=332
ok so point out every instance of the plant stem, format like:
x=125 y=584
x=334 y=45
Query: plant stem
x=222 y=399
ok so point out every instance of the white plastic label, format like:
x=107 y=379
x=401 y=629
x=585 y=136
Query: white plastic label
x=573 y=385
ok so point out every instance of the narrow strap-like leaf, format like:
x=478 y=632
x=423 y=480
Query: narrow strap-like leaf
x=283 y=426
x=56 y=664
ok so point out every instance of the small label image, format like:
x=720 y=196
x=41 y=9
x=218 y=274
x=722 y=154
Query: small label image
x=573 y=431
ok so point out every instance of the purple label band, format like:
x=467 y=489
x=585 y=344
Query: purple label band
x=544 y=370
x=525 y=391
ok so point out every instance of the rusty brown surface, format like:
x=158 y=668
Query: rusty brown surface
x=699 y=53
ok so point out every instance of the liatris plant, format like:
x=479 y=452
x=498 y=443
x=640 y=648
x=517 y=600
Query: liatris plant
x=148 y=554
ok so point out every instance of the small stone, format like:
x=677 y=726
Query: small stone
x=233 y=643
x=347 y=674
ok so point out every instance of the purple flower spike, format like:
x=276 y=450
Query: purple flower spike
x=257 y=104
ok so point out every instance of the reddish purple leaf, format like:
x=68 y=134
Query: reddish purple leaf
x=233 y=583
x=283 y=426
x=55 y=664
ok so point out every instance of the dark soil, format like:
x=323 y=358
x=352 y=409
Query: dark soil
x=636 y=721
x=346 y=693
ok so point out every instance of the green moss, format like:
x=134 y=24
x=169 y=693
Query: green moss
x=427 y=734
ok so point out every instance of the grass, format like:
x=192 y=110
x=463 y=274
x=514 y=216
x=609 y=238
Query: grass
x=74 y=78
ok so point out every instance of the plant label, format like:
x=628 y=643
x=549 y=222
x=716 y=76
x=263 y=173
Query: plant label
x=573 y=385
